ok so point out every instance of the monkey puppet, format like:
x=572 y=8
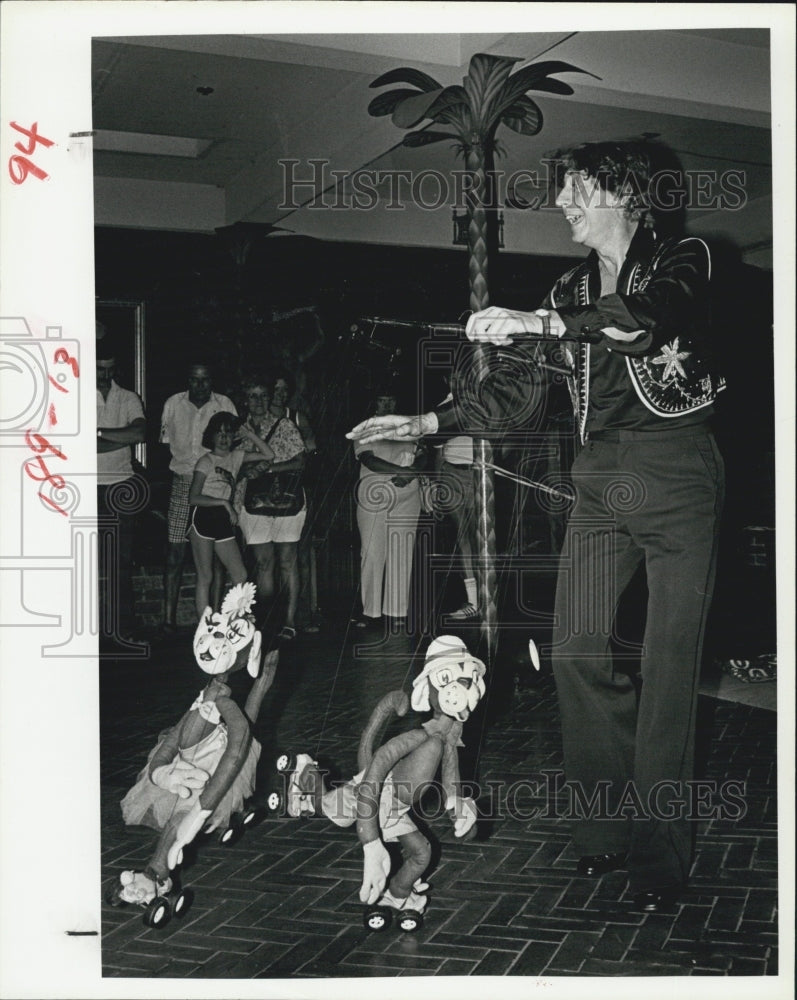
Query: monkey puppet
x=380 y=796
x=202 y=769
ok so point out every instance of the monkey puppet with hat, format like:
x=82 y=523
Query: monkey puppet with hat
x=378 y=799
x=202 y=769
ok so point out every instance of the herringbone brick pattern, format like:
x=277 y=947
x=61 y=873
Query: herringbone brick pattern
x=282 y=901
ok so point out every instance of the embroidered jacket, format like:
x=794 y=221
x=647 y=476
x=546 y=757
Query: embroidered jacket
x=662 y=293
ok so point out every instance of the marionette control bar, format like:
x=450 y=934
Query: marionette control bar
x=587 y=335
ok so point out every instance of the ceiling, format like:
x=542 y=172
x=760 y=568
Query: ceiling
x=264 y=110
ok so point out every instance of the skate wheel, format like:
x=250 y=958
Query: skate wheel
x=233 y=831
x=182 y=903
x=377 y=918
x=253 y=815
x=285 y=762
x=274 y=802
x=158 y=913
x=409 y=922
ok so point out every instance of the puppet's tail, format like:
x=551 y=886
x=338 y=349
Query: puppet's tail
x=395 y=702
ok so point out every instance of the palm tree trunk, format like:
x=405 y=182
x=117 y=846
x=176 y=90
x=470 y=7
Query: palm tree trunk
x=486 y=577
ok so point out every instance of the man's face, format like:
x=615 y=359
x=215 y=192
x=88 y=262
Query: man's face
x=591 y=212
x=105 y=372
x=385 y=405
x=199 y=384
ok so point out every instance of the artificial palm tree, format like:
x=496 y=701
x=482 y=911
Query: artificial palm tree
x=490 y=95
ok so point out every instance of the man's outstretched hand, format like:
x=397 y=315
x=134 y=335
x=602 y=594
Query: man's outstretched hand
x=393 y=427
x=499 y=326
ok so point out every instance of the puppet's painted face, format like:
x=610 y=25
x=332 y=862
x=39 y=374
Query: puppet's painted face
x=220 y=638
x=457 y=685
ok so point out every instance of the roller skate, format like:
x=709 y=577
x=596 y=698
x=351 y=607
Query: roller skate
x=407 y=913
x=161 y=899
x=249 y=816
x=297 y=796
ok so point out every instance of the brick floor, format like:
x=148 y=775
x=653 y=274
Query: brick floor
x=282 y=901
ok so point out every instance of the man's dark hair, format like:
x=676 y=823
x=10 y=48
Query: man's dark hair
x=623 y=168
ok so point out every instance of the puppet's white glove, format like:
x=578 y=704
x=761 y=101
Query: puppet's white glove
x=376 y=868
x=179 y=778
x=188 y=827
x=463 y=813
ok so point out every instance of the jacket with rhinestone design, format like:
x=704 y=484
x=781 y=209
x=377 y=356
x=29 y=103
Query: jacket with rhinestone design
x=662 y=292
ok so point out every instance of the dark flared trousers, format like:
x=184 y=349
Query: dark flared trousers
x=652 y=498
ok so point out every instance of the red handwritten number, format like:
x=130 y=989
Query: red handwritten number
x=39 y=444
x=62 y=356
x=42 y=445
x=33 y=134
x=19 y=167
x=57 y=481
x=53 y=504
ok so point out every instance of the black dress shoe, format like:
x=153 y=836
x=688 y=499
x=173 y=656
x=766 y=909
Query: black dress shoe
x=595 y=865
x=657 y=900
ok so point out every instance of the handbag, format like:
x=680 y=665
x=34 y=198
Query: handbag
x=275 y=494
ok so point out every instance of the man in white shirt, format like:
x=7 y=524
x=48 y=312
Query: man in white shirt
x=185 y=417
x=120 y=424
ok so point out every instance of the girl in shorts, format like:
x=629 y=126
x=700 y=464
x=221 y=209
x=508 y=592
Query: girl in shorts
x=213 y=517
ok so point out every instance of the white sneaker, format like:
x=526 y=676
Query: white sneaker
x=466 y=613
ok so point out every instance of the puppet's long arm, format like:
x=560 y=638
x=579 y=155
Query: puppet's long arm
x=449 y=772
x=370 y=788
x=169 y=747
x=238 y=739
x=462 y=809
x=393 y=703
x=376 y=860
x=261 y=685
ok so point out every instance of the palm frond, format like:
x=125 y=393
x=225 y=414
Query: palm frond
x=449 y=98
x=523 y=116
x=385 y=104
x=406 y=74
x=550 y=66
x=552 y=86
x=486 y=76
x=533 y=77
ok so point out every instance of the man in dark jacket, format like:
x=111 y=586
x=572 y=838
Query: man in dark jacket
x=630 y=324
